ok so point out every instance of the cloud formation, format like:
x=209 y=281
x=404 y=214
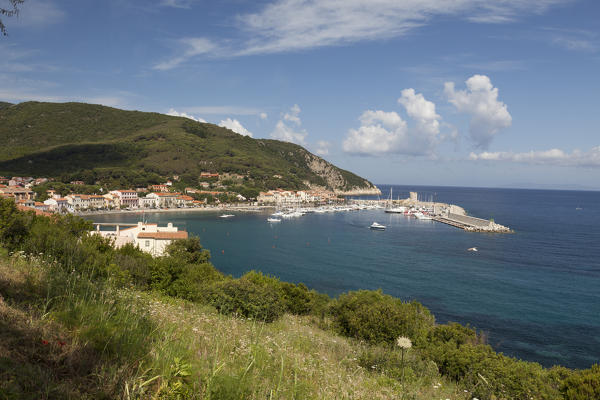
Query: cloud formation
x=175 y=113
x=386 y=132
x=288 y=132
x=557 y=157
x=422 y=111
x=480 y=101
x=235 y=126
x=379 y=132
x=292 y=25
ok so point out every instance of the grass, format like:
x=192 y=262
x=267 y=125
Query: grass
x=63 y=337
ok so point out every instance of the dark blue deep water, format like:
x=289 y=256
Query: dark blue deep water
x=535 y=292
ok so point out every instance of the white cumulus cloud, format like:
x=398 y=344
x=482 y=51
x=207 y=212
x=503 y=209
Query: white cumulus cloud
x=175 y=113
x=235 y=126
x=422 y=111
x=379 y=132
x=386 y=132
x=283 y=131
x=263 y=115
x=480 y=101
x=558 y=157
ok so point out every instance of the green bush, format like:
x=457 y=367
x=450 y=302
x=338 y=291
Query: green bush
x=297 y=299
x=582 y=385
x=379 y=318
x=461 y=355
x=247 y=299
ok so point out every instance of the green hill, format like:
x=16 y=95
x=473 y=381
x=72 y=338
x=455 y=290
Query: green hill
x=97 y=143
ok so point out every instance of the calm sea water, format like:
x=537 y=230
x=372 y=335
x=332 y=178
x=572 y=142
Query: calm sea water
x=536 y=292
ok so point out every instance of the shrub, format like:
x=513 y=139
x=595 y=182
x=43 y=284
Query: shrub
x=461 y=355
x=185 y=272
x=582 y=385
x=297 y=298
x=247 y=299
x=379 y=318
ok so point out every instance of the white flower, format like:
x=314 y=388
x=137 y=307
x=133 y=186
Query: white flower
x=403 y=342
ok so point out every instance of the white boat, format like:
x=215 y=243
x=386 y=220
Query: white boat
x=377 y=226
x=420 y=215
x=226 y=216
x=472 y=249
x=392 y=209
x=273 y=220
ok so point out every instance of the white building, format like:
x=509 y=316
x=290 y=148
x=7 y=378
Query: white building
x=149 y=238
x=59 y=205
x=126 y=198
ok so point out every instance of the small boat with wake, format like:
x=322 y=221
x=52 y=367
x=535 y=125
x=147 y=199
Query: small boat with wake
x=377 y=226
x=271 y=219
x=226 y=216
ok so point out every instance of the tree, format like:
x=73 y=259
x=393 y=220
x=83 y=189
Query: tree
x=9 y=12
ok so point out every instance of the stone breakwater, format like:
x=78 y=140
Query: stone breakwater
x=471 y=224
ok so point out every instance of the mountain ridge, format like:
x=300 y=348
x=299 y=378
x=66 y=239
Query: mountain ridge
x=95 y=143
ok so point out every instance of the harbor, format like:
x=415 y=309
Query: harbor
x=449 y=214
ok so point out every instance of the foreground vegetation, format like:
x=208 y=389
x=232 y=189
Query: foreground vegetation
x=118 y=148
x=79 y=319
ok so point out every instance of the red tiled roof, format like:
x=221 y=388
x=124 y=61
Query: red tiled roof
x=163 y=235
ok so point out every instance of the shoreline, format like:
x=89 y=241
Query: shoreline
x=168 y=210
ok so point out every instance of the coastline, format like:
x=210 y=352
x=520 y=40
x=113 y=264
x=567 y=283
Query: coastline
x=183 y=209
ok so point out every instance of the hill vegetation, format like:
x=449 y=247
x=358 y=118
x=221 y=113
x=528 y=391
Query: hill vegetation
x=93 y=143
x=80 y=319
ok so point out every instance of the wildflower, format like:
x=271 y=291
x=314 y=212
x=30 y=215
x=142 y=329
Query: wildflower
x=61 y=343
x=44 y=342
x=404 y=342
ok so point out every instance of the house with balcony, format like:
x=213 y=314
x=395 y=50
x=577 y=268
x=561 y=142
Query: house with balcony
x=126 y=198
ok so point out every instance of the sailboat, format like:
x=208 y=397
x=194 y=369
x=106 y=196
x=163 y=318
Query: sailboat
x=394 y=210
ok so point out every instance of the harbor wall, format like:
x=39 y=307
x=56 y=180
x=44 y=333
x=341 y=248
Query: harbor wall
x=472 y=221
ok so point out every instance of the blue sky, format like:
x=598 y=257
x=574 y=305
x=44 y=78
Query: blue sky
x=431 y=92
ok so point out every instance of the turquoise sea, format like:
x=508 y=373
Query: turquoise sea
x=535 y=292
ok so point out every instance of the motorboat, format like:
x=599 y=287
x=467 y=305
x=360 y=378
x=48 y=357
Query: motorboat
x=377 y=226
x=226 y=216
x=472 y=249
x=270 y=219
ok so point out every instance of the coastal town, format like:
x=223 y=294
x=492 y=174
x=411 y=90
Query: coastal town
x=153 y=197
x=165 y=196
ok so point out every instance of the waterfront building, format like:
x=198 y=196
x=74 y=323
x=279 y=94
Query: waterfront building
x=126 y=198
x=78 y=202
x=149 y=238
x=164 y=200
x=59 y=205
